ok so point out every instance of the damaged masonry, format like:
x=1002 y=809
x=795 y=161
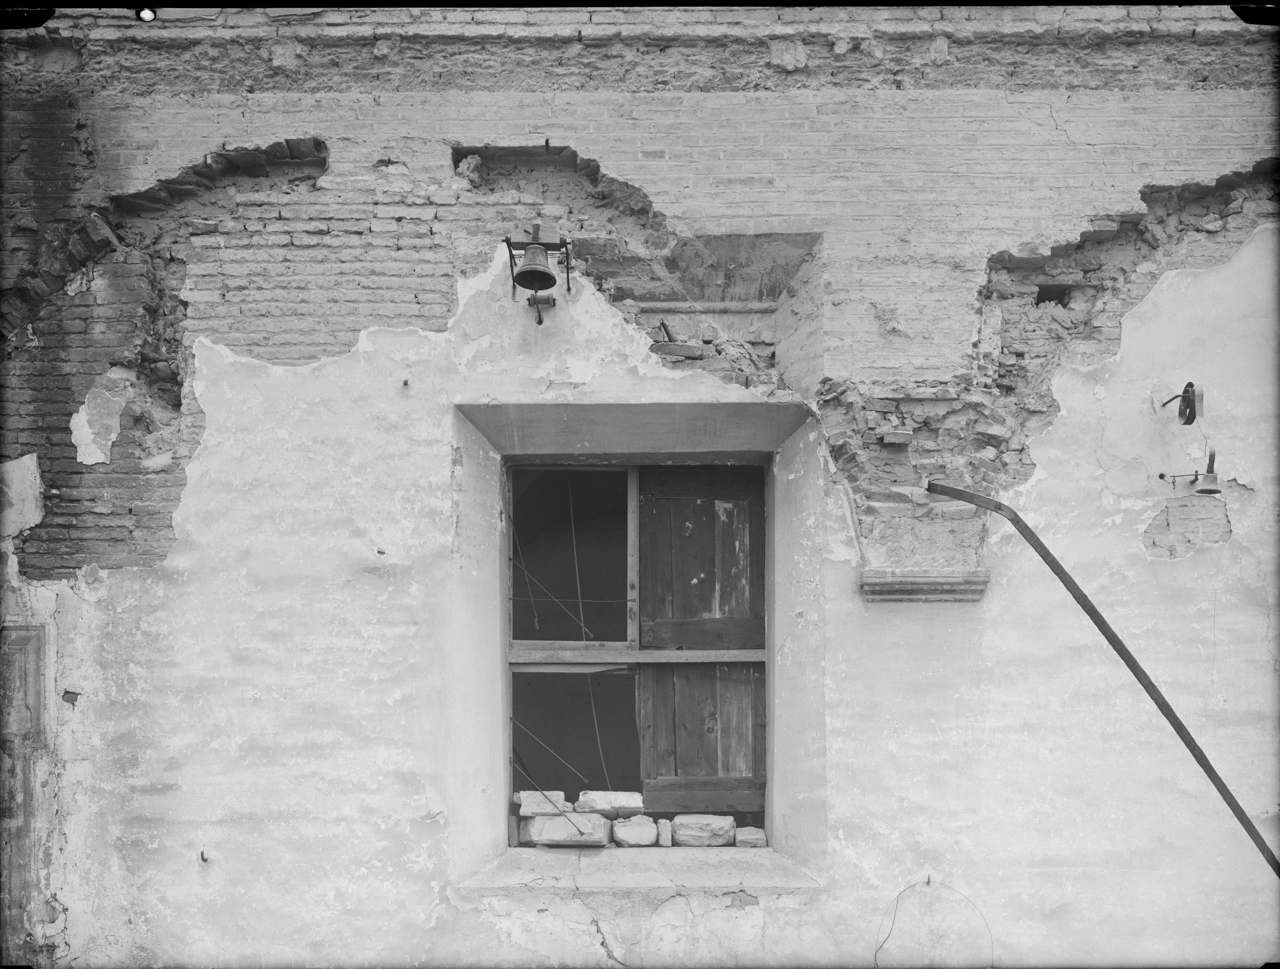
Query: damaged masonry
x=614 y=622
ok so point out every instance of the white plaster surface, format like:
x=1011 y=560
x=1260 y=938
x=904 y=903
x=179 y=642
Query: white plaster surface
x=310 y=691
x=21 y=495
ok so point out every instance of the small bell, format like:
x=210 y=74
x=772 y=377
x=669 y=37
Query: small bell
x=535 y=270
x=1208 y=484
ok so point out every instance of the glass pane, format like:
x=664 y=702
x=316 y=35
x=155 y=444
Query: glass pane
x=569 y=555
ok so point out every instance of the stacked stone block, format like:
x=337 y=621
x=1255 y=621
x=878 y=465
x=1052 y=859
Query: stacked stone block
x=616 y=818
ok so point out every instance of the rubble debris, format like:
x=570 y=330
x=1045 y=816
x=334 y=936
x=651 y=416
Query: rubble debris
x=750 y=838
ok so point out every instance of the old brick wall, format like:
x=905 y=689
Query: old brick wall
x=950 y=163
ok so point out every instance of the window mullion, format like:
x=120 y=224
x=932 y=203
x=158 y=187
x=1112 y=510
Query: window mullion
x=633 y=556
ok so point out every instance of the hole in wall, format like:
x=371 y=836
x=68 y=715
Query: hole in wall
x=1053 y=293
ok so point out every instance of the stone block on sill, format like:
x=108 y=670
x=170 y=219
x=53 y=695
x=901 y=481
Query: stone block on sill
x=570 y=831
x=924 y=585
x=702 y=830
x=635 y=832
x=533 y=804
x=611 y=804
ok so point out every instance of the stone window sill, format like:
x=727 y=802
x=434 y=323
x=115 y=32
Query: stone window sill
x=639 y=871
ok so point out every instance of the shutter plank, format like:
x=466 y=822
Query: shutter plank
x=655 y=720
x=697 y=720
x=736 y=697
x=704 y=795
x=703 y=634
x=655 y=559
x=693 y=557
x=759 y=720
x=755 y=515
x=723 y=481
x=733 y=562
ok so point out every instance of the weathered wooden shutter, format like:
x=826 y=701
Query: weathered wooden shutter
x=702 y=725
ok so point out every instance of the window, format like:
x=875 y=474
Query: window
x=637 y=621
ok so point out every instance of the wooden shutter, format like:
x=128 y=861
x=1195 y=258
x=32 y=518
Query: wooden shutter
x=702 y=725
x=702 y=558
x=702 y=736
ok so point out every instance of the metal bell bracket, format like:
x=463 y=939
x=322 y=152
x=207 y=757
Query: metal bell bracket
x=554 y=243
x=1190 y=403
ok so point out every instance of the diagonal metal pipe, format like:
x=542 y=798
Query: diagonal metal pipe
x=990 y=504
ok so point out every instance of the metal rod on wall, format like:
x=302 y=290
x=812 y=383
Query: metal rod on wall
x=1122 y=651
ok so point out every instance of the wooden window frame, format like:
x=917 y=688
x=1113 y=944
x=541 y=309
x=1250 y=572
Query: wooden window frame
x=662 y=794
x=553 y=656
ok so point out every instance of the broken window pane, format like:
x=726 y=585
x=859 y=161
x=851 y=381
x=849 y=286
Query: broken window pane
x=556 y=709
x=569 y=554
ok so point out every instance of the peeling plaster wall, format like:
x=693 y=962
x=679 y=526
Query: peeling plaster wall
x=319 y=720
x=1029 y=769
x=281 y=739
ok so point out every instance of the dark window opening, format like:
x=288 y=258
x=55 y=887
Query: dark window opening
x=569 y=552
x=555 y=710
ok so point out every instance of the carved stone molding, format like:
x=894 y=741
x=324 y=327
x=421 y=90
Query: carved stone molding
x=924 y=585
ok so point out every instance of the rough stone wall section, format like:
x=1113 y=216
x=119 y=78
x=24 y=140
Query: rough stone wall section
x=660 y=48
x=1038 y=313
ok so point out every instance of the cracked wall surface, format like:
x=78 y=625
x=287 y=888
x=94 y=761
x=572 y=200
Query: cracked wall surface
x=982 y=244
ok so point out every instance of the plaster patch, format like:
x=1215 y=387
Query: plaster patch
x=21 y=495
x=95 y=426
x=1184 y=524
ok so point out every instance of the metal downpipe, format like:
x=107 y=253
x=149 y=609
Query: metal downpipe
x=990 y=504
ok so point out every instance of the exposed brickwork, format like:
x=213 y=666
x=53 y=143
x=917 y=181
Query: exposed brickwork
x=742 y=123
x=1039 y=312
x=1068 y=306
x=651 y=49
x=107 y=296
